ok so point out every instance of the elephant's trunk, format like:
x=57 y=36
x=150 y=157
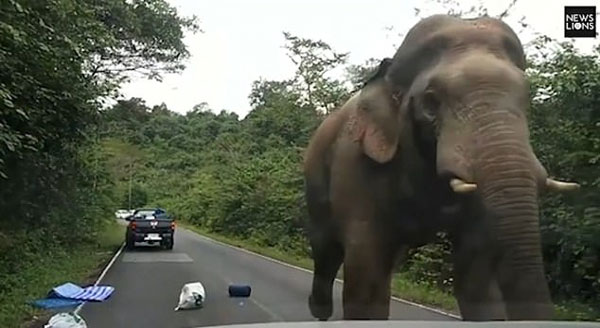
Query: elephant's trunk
x=484 y=144
x=507 y=180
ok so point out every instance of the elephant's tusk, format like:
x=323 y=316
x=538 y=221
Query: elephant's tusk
x=556 y=185
x=462 y=187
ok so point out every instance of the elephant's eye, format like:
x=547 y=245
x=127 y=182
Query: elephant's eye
x=431 y=101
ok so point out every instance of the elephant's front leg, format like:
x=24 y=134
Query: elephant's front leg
x=368 y=261
x=475 y=284
x=327 y=256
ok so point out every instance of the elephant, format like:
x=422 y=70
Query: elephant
x=436 y=140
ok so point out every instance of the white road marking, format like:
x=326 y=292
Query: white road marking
x=155 y=257
x=112 y=261
x=263 y=307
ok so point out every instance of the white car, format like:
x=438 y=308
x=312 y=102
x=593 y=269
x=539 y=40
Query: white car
x=123 y=214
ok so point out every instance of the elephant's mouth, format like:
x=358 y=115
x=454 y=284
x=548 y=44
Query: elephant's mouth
x=450 y=200
x=455 y=183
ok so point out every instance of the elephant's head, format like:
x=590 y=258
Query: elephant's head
x=459 y=86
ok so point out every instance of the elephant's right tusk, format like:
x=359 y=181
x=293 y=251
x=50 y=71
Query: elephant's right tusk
x=556 y=185
x=462 y=187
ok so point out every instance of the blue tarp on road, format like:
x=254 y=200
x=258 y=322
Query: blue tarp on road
x=91 y=293
x=71 y=295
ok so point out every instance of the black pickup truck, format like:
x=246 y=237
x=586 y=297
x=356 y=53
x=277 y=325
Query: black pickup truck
x=152 y=226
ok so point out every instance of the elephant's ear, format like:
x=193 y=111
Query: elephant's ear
x=377 y=121
x=379 y=73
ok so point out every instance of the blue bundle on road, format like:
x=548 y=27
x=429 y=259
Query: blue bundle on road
x=55 y=303
x=239 y=290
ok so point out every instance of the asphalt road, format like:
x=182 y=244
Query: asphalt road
x=148 y=281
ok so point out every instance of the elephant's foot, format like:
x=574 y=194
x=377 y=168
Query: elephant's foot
x=369 y=311
x=320 y=308
x=484 y=310
x=529 y=310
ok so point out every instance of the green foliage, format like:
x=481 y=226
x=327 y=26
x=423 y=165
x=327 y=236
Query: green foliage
x=313 y=60
x=58 y=59
x=431 y=264
x=565 y=125
x=137 y=198
x=142 y=36
x=277 y=117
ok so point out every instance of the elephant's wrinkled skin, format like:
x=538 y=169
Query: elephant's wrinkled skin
x=436 y=140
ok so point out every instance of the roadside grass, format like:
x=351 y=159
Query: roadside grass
x=402 y=287
x=576 y=311
x=422 y=293
x=56 y=266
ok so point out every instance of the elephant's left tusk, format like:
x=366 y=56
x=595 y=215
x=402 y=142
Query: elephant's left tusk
x=462 y=187
x=556 y=185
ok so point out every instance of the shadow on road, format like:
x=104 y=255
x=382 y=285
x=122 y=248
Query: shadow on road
x=148 y=248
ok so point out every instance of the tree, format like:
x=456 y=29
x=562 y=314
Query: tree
x=142 y=36
x=137 y=198
x=274 y=93
x=313 y=60
x=278 y=116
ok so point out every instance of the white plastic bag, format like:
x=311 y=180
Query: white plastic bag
x=192 y=296
x=66 y=320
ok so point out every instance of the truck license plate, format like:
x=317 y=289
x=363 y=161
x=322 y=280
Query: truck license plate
x=153 y=236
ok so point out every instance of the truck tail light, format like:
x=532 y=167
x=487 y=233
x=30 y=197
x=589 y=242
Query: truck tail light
x=133 y=226
x=173 y=225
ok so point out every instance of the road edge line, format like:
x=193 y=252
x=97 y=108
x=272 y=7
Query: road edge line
x=104 y=271
x=336 y=279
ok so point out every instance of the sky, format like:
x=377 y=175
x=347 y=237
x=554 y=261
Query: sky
x=242 y=41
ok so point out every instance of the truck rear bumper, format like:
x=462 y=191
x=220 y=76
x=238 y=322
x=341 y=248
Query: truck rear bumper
x=152 y=237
